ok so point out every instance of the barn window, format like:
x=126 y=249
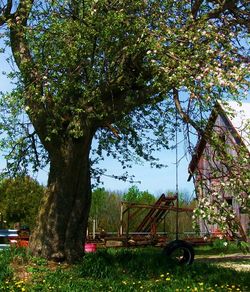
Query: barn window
x=223 y=137
x=229 y=201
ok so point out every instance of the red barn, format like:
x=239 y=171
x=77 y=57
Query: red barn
x=221 y=156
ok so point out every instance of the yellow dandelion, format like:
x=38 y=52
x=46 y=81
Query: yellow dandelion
x=18 y=283
x=162 y=275
x=201 y=284
x=168 y=279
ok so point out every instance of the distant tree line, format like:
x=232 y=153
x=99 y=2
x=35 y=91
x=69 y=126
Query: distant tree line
x=106 y=210
x=20 y=198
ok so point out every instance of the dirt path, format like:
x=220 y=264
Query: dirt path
x=237 y=261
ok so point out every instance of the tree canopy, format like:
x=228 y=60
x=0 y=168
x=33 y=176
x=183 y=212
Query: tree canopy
x=116 y=66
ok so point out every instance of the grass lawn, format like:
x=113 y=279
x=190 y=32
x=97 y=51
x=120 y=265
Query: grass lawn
x=144 y=269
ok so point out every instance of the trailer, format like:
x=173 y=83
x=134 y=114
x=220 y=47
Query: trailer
x=146 y=233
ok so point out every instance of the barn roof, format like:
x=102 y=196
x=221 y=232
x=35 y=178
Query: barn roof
x=240 y=119
x=237 y=118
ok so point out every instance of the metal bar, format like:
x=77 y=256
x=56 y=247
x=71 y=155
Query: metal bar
x=146 y=222
x=121 y=220
x=127 y=231
x=173 y=208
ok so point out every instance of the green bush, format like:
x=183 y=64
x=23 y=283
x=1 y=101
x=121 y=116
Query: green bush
x=19 y=200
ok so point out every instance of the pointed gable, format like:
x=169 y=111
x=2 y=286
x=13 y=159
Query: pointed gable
x=235 y=118
x=239 y=116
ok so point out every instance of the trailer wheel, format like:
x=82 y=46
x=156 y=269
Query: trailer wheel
x=180 y=252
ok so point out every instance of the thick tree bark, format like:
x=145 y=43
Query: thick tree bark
x=62 y=223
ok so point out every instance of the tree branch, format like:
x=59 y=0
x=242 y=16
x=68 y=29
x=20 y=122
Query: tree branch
x=183 y=115
x=27 y=66
x=195 y=7
x=6 y=12
x=19 y=45
x=241 y=14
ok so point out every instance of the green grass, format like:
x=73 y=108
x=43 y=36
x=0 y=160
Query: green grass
x=223 y=247
x=143 y=269
x=5 y=270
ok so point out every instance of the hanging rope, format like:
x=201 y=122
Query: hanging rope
x=176 y=173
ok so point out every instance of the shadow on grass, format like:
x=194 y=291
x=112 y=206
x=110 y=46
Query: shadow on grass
x=144 y=269
x=150 y=263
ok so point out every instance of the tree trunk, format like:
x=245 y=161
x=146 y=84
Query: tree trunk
x=63 y=216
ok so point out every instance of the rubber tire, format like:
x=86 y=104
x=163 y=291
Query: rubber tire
x=188 y=251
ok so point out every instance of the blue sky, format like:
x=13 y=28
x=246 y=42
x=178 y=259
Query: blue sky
x=156 y=181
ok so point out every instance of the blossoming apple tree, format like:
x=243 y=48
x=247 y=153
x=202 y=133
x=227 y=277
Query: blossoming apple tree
x=110 y=70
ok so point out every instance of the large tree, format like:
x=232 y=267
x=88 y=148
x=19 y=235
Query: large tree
x=112 y=70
